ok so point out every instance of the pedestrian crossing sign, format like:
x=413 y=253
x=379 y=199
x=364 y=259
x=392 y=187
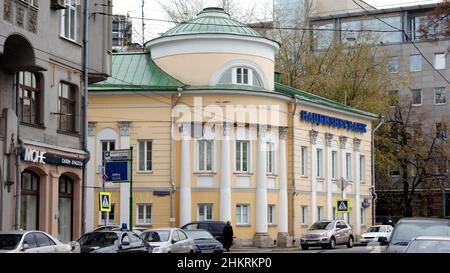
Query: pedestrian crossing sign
x=342 y=205
x=105 y=201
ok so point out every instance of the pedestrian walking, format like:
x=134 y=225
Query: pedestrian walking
x=227 y=236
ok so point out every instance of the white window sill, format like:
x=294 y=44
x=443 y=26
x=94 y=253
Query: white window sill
x=144 y=225
x=243 y=173
x=272 y=225
x=144 y=172
x=304 y=176
x=70 y=40
x=205 y=173
x=271 y=175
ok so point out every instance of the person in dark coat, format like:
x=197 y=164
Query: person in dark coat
x=227 y=236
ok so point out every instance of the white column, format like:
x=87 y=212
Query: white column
x=225 y=174
x=90 y=174
x=283 y=194
x=356 y=143
x=261 y=182
x=329 y=141
x=124 y=128
x=313 y=134
x=185 y=180
x=343 y=141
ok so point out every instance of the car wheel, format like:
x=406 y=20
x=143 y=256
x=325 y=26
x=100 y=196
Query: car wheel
x=332 y=244
x=305 y=247
x=350 y=242
x=191 y=251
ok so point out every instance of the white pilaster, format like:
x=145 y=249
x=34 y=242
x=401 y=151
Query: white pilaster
x=90 y=174
x=343 y=141
x=124 y=128
x=185 y=179
x=356 y=143
x=329 y=142
x=283 y=194
x=261 y=182
x=313 y=135
x=225 y=174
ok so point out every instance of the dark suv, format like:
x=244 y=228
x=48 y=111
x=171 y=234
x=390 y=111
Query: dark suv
x=214 y=227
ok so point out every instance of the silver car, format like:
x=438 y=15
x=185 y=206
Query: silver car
x=168 y=240
x=429 y=244
x=32 y=241
x=327 y=234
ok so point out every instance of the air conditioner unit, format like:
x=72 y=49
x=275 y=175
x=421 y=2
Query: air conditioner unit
x=58 y=4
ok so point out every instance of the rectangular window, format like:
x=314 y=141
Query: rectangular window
x=439 y=95
x=320 y=214
x=271 y=214
x=304 y=215
x=416 y=96
x=393 y=65
x=304 y=161
x=66 y=108
x=362 y=168
x=69 y=20
x=107 y=145
x=145 y=155
x=205 y=155
x=334 y=164
x=109 y=216
x=144 y=214
x=439 y=60
x=270 y=158
x=417 y=22
x=242 y=156
x=205 y=212
x=415 y=63
x=242 y=75
x=29 y=95
x=242 y=214
x=441 y=131
x=348 y=166
x=320 y=163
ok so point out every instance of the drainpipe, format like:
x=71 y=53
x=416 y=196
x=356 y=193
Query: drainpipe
x=293 y=170
x=172 y=191
x=374 y=194
x=18 y=149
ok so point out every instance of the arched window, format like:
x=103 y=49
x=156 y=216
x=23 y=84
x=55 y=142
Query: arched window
x=29 y=201
x=241 y=75
x=29 y=97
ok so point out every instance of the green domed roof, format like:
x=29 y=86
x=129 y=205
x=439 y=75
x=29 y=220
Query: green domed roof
x=212 y=20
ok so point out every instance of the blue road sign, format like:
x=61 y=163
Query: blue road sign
x=342 y=205
x=116 y=171
x=105 y=201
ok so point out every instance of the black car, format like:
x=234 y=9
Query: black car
x=214 y=227
x=204 y=241
x=111 y=242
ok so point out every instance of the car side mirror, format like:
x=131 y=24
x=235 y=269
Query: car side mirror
x=25 y=246
x=173 y=241
x=383 y=241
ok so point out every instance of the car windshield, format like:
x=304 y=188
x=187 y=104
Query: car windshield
x=98 y=239
x=198 y=235
x=158 y=236
x=405 y=232
x=375 y=229
x=429 y=246
x=9 y=241
x=322 y=225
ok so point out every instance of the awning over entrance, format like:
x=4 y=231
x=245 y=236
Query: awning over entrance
x=18 y=55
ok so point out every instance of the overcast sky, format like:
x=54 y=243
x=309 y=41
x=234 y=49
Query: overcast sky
x=152 y=9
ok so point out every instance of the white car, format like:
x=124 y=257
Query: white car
x=376 y=234
x=33 y=241
x=169 y=240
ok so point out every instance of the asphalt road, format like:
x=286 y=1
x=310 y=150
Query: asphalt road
x=338 y=249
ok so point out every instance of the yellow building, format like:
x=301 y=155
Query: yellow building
x=216 y=137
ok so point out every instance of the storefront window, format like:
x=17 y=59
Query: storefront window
x=29 y=201
x=65 y=209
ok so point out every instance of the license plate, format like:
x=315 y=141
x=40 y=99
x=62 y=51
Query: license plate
x=208 y=251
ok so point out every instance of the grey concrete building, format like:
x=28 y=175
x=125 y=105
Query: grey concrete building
x=41 y=149
x=122 y=30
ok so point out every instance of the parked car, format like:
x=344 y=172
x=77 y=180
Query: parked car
x=110 y=242
x=214 y=227
x=429 y=244
x=137 y=230
x=32 y=241
x=327 y=234
x=107 y=227
x=168 y=240
x=409 y=228
x=204 y=241
x=380 y=233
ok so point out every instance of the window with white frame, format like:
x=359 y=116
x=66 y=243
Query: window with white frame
x=393 y=65
x=348 y=166
x=145 y=155
x=415 y=63
x=109 y=216
x=363 y=216
x=362 y=168
x=320 y=214
x=304 y=215
x=320 y=163
x=416 y=97
x=304 y=161
x=439 y=60
x=107 y=145
x=69 y=20
x=144 y=214
x=242 y=214
x=334 y=164
x=242 y=155
x=271 y=214
x=270 y=158
x=205 y=155
x=241 y=75
x=439 y=95
x=205 y=212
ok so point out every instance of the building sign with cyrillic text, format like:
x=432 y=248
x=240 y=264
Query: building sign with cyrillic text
x=42 y=157
x=320 y=119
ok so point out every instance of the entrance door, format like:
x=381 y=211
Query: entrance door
x=29 y=201
x=65 y=225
